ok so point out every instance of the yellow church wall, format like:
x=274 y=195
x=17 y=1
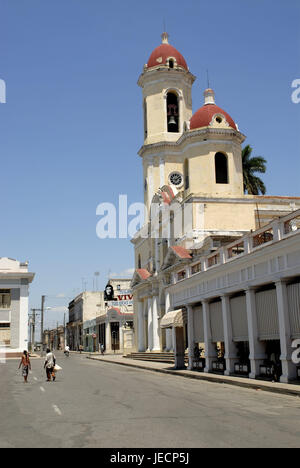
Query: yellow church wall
x=224 y=216
x=202 y=172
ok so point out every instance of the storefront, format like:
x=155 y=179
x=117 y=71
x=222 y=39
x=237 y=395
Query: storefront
x=90 y=336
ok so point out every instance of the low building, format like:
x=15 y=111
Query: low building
x=82 y=310
x=114 y=322
x=90 y=336
x=55 y=339
x=14 y=292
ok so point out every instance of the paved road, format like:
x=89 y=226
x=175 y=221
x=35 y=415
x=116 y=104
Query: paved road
x=104 y=405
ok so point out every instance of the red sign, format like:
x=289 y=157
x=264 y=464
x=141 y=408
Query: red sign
x=125 y=297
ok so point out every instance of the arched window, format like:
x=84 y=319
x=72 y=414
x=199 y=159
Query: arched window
x=171 y=63
x=145 y=120
x=172 y=113
x=221 y=163
x=139 y=262
x=186 y=175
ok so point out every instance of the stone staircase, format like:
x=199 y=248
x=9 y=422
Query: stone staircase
x=167 y=358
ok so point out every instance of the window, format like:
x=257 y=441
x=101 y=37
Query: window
x=186 y=175
x=196 y=268
x=145 y=120
x=4 y=334
x=221 y=164
x=181 y=275
x=171 y=63
x=5 y=298
x=172 y=113
x=139 y=262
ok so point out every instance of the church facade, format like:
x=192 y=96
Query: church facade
x=196 y=207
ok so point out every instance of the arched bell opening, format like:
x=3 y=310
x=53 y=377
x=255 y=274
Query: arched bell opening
x=172 y=112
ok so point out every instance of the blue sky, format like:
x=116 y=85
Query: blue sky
x=72 y=124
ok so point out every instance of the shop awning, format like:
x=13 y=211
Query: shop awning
x=174 y=319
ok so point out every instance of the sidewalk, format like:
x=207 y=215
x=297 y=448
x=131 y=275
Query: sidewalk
x=283 y=389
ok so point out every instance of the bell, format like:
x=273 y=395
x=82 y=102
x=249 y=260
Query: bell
x=172 y=121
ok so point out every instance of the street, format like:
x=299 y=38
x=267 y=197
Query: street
x=96 y=404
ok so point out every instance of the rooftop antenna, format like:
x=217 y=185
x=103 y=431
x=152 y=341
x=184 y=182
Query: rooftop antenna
x=165 y=35
x=208 y=82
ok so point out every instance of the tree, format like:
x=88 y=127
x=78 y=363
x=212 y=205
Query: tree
x=253 y=185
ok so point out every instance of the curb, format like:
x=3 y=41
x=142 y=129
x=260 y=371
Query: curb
x=209 y=378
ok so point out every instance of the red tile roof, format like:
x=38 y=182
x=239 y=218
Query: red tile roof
x=203 y=117
x=143 y=274
x=181 y=252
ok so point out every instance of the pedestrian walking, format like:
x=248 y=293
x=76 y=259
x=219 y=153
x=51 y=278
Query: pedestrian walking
x=102 y=349
x=49 y=365
x=26 y=366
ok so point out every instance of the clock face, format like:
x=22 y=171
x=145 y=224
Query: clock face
x=176 y=179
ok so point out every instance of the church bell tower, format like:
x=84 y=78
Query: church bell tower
x=166 y=83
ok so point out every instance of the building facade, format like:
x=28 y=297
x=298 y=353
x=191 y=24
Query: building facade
x=194 y=192
x=55 y=339
x=82 y=310
x=14 y=293
x=115 y=321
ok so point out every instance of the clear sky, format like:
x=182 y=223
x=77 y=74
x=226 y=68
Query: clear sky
x=72 y=124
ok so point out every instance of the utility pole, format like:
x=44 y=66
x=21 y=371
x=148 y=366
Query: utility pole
x=65 y=330
x=42 y=322
x=57 y=336
x=33 y=329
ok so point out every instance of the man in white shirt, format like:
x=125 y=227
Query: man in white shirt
x=49 y=365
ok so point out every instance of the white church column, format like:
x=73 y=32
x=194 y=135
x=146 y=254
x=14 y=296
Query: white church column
x=210 y=349
x=191 y=336
x=156 y=336
x=169 y=338
x=150 y=325
x=289 y=369
x=141 y=328
x=230 y=348
x=257 y=350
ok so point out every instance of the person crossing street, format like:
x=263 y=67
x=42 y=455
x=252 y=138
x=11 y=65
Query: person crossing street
x=49 y=365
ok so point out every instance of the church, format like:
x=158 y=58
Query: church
x=205 y=278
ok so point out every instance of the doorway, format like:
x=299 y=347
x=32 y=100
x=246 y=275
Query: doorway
x=115 y=336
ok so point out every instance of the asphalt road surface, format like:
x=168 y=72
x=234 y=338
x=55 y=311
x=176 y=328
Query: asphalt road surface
x=96 y=404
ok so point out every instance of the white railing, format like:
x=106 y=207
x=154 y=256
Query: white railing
x=279 y=229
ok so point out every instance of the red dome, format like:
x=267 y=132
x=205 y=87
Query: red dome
x=203 y=117
x=161 y=54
